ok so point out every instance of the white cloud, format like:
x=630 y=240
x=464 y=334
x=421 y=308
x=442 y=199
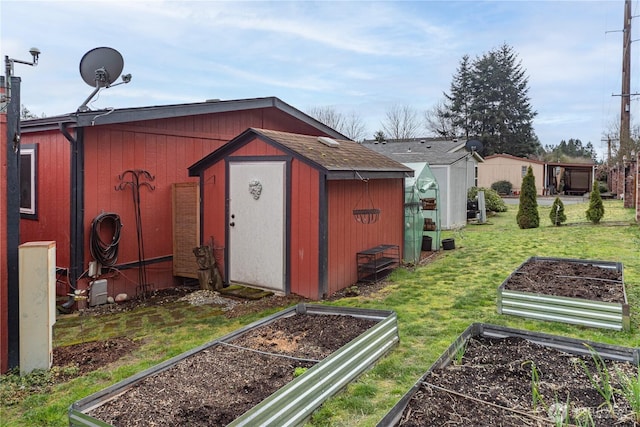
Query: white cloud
x=364 y=56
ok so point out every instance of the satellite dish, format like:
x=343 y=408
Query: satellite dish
x=474 y=145
x=99 y=68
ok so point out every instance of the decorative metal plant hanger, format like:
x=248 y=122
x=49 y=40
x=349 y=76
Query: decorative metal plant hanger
x=139 y=178
x=365 y=212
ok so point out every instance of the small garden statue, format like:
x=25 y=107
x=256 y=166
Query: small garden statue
x=595 y=212
x=208 y=274
x=528 y=216
x=557 y=215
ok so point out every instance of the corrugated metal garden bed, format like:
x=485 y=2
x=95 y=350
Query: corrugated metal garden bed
x=297 y=358
x=493 y=375
x=583 y=292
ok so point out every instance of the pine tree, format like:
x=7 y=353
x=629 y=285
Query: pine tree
x=595 y=212
x=489 y=101
x=461 y=98
x=557 y=215
x=528 y=216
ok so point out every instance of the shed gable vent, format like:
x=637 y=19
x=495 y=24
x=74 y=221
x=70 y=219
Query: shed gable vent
x=329 y=142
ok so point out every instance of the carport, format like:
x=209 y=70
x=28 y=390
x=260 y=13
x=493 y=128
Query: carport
x=571 y=179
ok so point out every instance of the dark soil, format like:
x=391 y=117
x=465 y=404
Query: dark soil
x=93 y=355
x=215 y=386
x=568 y=279
x=492 y=386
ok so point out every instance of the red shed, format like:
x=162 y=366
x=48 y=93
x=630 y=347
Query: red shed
x=284 y=203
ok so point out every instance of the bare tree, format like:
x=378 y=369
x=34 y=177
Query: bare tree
x=438 y=121
x=350 y=125
x=327 y=115
x=26 y=114
x=354 y=127
x=611 y=135
x=401 y=122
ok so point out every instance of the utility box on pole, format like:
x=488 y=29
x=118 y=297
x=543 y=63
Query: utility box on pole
x=37 y=273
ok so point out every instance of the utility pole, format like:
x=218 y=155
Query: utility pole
x=625 y=95
x=11 y=101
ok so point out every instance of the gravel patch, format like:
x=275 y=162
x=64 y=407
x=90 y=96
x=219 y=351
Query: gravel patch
x=206 y=296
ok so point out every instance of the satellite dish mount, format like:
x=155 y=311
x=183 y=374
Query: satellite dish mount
x=474 y=145
x=100 y=68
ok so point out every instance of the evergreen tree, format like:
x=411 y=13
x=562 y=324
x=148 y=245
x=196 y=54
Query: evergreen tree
x=460 y=100
x=557 y=214
x=528 y=216
x=570 y=151
x=595 y=212
x=489 y=101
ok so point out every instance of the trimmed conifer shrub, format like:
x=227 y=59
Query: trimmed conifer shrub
x=557 y=214
x=528 y=216
x=595 y=212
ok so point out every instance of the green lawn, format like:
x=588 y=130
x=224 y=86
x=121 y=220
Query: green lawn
x=434 y=303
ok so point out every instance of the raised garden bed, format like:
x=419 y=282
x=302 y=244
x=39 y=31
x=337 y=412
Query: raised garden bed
x=275 y=371
x=581 y=292
x=486 y=377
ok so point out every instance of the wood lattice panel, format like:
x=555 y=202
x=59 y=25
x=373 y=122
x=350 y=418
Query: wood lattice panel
x=186 y=228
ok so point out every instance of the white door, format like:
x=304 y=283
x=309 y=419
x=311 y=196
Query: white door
x=257 y=223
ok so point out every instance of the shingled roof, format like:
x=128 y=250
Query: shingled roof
x=337 y=157
x=432 y=151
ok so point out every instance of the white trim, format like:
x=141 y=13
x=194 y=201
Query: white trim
x=31 y=152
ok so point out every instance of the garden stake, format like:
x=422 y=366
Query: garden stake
x=135 y=185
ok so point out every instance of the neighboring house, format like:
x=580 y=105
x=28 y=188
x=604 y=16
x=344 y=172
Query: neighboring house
x=282 y=205
x=550 y=177
x=505 y=167
x=453 y=166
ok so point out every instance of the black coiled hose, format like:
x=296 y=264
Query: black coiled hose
x=105 y=253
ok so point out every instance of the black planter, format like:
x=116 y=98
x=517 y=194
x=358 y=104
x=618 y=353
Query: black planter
x=448 y=244
x=426 y=243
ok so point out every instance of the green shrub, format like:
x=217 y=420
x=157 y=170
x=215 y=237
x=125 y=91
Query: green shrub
x=502 y=187
x=595 y=212
x=492 y=200
x=557 y=214
x=602 y=187
x=527 y=216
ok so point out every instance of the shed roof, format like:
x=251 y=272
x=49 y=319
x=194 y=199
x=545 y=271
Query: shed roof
x=512 y=157
x=432 y=151
x=587 y=164
x=125 y=115
x=345 y=160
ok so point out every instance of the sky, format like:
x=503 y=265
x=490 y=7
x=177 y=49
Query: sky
x=359 y=57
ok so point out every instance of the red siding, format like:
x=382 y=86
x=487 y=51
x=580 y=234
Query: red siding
x=305 y=241
x=53 y=189
x=347 y=237
x=109 y=153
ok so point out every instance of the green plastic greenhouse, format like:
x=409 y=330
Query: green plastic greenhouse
x=422 y=213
